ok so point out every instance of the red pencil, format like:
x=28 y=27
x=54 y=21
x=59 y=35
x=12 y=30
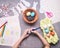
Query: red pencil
x=3 y=24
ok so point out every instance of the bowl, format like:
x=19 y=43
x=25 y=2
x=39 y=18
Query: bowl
x=30 y=15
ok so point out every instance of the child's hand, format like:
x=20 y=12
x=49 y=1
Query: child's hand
x=26 y=33
x=34 y=32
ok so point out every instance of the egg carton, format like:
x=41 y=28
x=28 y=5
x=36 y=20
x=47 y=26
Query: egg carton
x=48 y=31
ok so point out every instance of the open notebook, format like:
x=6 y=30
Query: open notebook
x=10 y=30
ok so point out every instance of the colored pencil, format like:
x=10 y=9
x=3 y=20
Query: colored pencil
x=3 y=24
x=3 y=30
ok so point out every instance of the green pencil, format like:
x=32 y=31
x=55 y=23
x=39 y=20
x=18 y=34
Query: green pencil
x=3 y=30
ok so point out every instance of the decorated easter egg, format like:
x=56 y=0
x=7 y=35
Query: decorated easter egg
x=30 y=18
x=32 y=14
x=46 y=30
x=50 y=28
x=52 y=33
x=28 y=14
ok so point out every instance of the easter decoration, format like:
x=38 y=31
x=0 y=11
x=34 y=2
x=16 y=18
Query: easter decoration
x=30 y=15
x=48 y=31
x=4 y=10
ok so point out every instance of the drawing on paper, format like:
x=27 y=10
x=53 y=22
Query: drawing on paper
x=10 y=30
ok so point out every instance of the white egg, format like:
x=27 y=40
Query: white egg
x=28 y=13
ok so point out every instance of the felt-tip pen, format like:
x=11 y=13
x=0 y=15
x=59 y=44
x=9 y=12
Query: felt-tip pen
x=35 y=28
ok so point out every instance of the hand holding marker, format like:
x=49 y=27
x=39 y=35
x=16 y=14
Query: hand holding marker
x=33 y=30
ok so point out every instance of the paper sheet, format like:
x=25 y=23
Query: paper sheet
x=51 y=6
x=12 y=30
